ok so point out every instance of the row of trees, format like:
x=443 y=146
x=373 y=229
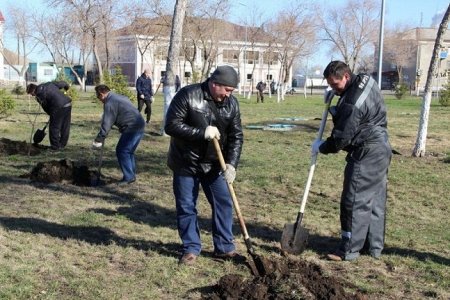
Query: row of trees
x=81 y=31
x=86 y=26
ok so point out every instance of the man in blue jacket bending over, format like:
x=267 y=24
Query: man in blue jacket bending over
x=118 y=110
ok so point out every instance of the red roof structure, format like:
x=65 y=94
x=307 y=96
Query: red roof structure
x=1 y=17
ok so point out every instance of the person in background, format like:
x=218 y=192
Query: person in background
x=360 y=129
x=261 y=87
x=58 y=106
x=144 y=91
x=197 y=114
x=273 y=89
x=118 y=110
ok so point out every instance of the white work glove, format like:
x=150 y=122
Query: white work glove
x=315 y=146
x=229 y=173
x=96 y=145
x=328 y=95
x=142 y=96
x=151 y=99
x=212 y=132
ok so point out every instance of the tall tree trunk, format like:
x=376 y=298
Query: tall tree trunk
x=419 y=149
x=172 y=57
x=96 y=55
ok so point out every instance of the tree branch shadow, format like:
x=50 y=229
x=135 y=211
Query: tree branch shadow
x=94 y=235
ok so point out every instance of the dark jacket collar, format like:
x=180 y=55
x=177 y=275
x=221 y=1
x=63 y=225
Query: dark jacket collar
x=205 y=90
x=349 y=84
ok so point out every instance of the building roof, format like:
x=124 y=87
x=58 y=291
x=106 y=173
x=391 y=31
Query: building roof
x=161 y=26
x=425 y=34
x=1 y=17
x=11 y=58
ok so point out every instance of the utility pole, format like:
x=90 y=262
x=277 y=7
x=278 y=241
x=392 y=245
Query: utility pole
x=380 y=45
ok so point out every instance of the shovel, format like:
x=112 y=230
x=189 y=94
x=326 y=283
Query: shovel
x=97 y=181
x=260 y=265
x=39 y=135
x=294 y=237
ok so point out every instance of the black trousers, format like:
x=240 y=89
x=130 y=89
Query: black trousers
x=59 y=128
x=363 y=199
x=148 y=107
x=259 y=96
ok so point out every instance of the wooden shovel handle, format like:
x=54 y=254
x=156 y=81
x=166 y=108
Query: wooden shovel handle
x=231 y=189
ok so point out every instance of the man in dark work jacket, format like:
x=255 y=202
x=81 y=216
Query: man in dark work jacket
x=58 y=106
x=360 y=129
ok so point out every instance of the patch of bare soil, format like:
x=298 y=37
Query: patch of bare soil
x=64 y=171
x=10 y=147
x=287 y=279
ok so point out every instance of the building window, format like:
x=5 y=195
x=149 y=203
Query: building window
x=252 y=57
x=230 y=56
x=48 y=72
x=270 y=58
x=161 y=53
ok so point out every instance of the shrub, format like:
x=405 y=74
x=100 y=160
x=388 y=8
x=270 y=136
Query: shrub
x=118 y=83
x=7 y=103
x=196 y=76
x=400 y=90
x=447 y=158
x=72 y=93
x=18 y=90
x=444 y=95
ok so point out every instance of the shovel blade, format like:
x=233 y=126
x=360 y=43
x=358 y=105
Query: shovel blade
x=39 y=136
x=294 y=243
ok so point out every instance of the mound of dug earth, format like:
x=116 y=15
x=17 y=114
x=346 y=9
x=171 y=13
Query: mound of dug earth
x=288 y=280
x=10 y=147
x=64 y=171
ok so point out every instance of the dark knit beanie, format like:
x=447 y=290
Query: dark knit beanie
x=226 y=76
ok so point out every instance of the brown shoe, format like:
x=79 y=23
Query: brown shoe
x=232 y=255
x=334 y=257
x=188 y=259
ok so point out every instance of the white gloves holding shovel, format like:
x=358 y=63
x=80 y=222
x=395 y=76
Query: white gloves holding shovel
x=229 y=174
x=212 y=132
x=96 y=145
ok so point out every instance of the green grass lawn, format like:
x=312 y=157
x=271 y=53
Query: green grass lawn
x=60 y=241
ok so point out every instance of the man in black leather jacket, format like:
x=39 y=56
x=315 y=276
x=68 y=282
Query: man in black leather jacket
x=58 y=106
x=197 y=114
x=360 y=129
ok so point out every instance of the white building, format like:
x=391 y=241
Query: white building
x=425 y=38
x=144 y=44
x=417 y=69
x=2 y=70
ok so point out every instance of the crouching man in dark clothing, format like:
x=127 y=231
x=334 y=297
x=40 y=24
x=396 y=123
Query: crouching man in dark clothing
x=58 y=106
x=360 y=129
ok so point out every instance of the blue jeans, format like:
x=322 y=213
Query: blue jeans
x=125 y=148
x=186 y=190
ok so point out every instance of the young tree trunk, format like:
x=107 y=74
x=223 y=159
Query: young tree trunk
x=419 y=149
x=172 y=59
